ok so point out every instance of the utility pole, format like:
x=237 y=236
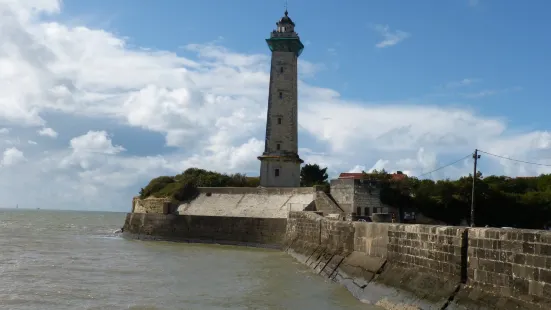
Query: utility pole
x=475 y=157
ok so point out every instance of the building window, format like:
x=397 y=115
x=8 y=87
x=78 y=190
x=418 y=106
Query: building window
x=276 y=172
x=366 y=211
x=359 y=211
x=281 y=70
x=278 y=146
x=279 y=120
x=280 y=95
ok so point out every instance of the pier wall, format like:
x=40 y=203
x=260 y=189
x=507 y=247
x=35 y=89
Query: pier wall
x=261 y=232
x=406 y=266
x=394 y=266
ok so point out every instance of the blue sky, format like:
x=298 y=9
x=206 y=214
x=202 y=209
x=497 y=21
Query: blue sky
x=501 y=44
x=100 y=96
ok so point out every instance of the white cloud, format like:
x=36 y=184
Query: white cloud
x=357 y=169
x=90 y=151
x=47 y=132
x=95 y=142
x=463 y=82
x=211 y=111
x=379 y=165
x=491 y=92
x=390 y=38
x=32 y=142
x=12 y=156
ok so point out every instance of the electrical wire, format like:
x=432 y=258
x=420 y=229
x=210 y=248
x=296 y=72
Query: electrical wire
x=512 y=159
x=484 y=152
x=453 y=163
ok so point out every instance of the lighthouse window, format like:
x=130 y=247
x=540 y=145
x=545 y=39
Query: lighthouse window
x=280 y=95
x=276 y=172
x=278 y=146
x=279 y=120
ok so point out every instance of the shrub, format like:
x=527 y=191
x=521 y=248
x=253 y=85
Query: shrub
x=185 y=192
x=155 y=186
x=183 y=186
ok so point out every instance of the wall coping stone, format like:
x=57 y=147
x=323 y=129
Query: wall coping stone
x=257 y=190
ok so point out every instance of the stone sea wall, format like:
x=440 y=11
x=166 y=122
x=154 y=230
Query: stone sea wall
x=399 y=266
x=233 y=202
x=507 y=269
x=261 y=232
x=151 y=205
x=395 y=266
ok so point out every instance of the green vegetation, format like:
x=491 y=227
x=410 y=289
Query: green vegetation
x=499 y=200
x=313 y=174
x=183 y=186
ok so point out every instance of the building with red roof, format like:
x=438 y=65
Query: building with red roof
x=398 y=176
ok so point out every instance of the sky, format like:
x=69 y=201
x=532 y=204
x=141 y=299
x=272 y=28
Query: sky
x=98 y=97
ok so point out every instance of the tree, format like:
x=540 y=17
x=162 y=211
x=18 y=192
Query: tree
x=185 y=192
x=313 y=174
x=500 y=201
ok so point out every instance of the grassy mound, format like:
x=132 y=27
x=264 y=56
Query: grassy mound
x=183 y=187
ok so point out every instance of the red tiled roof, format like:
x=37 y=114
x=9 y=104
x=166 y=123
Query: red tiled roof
x=350 y=175
x=398 y=176
x=359 y=176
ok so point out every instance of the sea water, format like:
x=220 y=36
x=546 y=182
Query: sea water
x=76 y=260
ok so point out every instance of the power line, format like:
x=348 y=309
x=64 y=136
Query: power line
x=517 y=160
x=453 y=163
